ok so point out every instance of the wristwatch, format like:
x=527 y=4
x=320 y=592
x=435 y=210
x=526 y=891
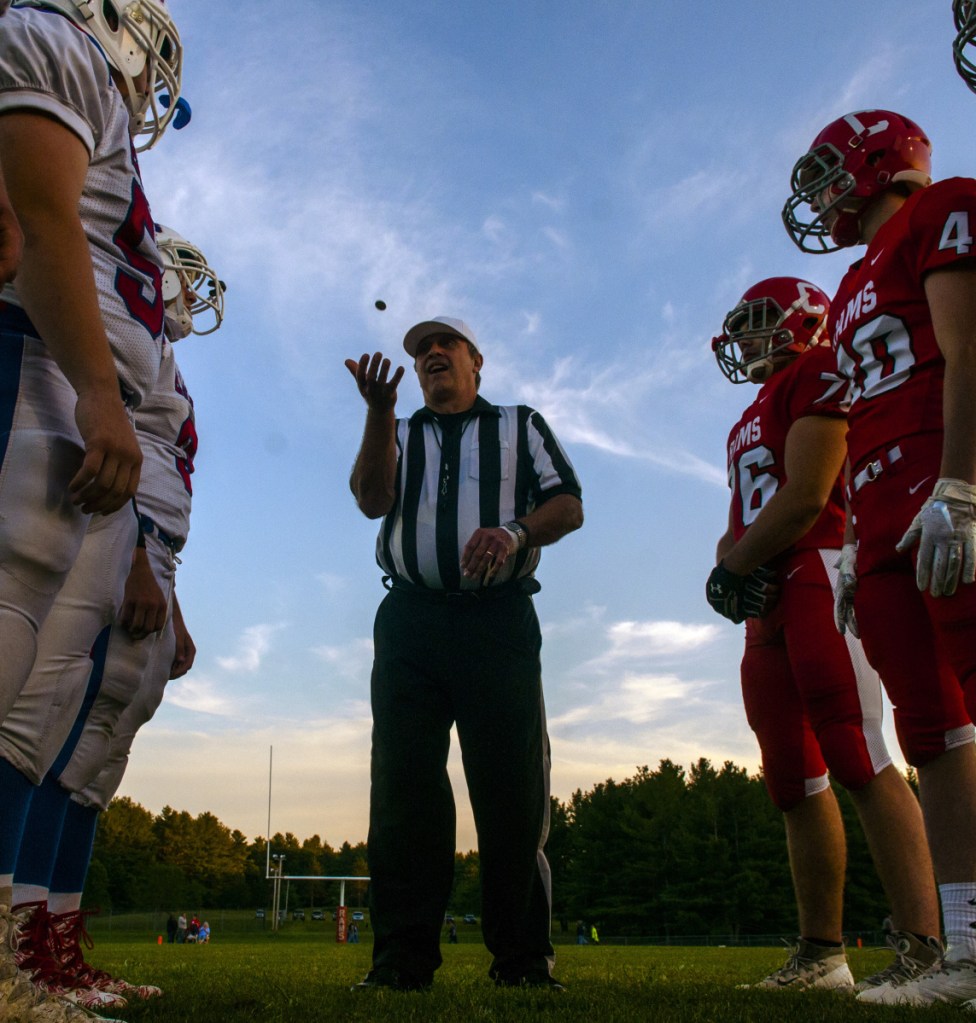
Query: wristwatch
x=519 y=531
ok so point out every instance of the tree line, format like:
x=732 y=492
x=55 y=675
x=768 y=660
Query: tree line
x=665 y=852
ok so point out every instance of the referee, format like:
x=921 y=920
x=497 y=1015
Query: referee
x=468 y=493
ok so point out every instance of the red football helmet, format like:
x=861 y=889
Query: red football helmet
x=774 y=321
x=853 y=160
x=964 y=11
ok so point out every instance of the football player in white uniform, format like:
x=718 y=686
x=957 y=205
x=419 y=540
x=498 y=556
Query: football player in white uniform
x=132 y=662
x=80 y=330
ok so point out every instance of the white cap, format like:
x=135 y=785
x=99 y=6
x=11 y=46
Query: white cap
x=438 y=325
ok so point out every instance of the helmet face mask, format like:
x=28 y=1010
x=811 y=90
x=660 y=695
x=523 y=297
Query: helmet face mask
x=851 y=162
x=820 y=183
x=193 y=296
x=775 y=321
x=143 y=47
x=964 y=13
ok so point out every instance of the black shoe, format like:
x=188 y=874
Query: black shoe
x=392 y=980
x=534 y=980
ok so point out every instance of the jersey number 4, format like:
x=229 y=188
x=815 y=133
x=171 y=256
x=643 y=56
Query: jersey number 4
x=955 y=234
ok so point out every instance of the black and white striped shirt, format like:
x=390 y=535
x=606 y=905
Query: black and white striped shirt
x=456 y=473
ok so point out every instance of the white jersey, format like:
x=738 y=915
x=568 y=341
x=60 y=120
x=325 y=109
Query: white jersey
x=50 y=66
x=166 y=429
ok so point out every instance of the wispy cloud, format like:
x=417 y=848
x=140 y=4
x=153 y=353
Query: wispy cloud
x=350 y=660
x=254 y=644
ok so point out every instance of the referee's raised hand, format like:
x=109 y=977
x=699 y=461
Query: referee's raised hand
x=371 y=374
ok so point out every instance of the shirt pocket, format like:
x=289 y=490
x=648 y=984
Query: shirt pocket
x=474 y=461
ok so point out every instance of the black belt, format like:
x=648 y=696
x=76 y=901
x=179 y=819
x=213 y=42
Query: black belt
x=149 y=528
x=525 y=586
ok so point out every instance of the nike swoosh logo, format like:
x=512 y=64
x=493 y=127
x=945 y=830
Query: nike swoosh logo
x=871 y=262
x=912 y=490
x=793 y=573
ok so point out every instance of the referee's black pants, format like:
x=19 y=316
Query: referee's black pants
x=477 y=664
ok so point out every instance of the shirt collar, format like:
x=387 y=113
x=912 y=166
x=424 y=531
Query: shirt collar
x=481 y=407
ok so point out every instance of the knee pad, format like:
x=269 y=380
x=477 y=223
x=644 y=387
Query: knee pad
x=18 y=649
x=923 y=740
x=847 y=751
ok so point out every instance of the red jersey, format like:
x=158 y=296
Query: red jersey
x=809 y=386
x=880 y=325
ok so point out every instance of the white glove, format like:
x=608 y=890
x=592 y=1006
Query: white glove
x=846 y=585
x=945 y=531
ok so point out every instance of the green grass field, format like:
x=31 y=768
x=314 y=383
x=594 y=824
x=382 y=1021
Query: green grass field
x=303 y=975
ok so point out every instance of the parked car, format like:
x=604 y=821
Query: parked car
x=359 y=915
x=449 y=918
x=318 y=914
x=470 y=918
x=298 y=914
x=259 y=914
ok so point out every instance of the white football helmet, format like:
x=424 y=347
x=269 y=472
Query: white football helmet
x=137 y=35
x=192 y=292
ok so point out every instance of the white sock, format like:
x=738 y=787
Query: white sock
x=63 y=902
x=959 y=917
x=28 y=893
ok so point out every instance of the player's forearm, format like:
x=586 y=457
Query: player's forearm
x=67 y=316
x=551 y=521
x=725 y=544
x=374 y=472
x=959 y=416
x=787 y=517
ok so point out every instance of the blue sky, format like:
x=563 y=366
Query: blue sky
x=591 y=186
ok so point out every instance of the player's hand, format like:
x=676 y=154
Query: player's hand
x=486 y=552
x=372 y=376
x=109 y=474
x=844 y=617
x=738 y=597
x=186 y=651
x=144 y=608
x=760 y=593
x=945 y=531
x=11 y=244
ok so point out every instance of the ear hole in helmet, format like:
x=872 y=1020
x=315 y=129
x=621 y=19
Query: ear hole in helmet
x=111 y=15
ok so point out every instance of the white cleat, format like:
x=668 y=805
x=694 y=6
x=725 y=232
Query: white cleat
x=950 y=980
x=912 y=958
x=810 y=966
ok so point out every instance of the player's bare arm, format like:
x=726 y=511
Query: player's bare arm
x=374 y=473
x=186 y=651
x=143 y=610
x=815 y=453
x=951 y=295
x=11 y=238
x=44 y=167
x=488 y=549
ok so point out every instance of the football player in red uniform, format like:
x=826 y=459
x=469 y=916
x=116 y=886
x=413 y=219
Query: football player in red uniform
x=810 y=695
x=903 y=328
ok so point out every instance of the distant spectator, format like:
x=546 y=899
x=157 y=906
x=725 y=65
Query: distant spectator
x=352 y=936
x=203 y=938
x=594 y=937
x=171 y=929
x=193 y=932
x=452 y=934
x=581 y=933
x=181 y=929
